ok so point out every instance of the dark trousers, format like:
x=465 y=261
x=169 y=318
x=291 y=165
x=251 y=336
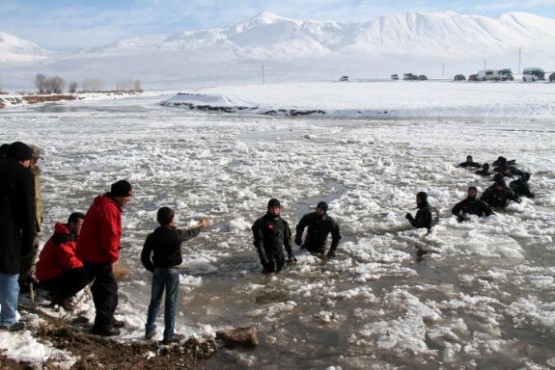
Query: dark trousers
x=67 y=284
x=104 y=291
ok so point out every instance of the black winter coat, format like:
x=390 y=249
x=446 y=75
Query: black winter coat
x=319 y=227
x=164 y=246
x=17 y=214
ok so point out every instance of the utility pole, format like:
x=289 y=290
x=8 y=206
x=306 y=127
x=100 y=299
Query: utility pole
x=443 y=69
x=519 y=60
x=263 y=76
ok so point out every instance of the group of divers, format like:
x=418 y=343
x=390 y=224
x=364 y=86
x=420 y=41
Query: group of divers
x=495 y=197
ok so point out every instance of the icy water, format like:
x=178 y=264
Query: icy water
x=485 y=298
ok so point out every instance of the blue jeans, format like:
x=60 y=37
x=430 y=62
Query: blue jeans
x=9 y=293
x=168 y=279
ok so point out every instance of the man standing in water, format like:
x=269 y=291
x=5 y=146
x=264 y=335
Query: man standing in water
x=98 y=247
x=271 y=233
x=320 y=225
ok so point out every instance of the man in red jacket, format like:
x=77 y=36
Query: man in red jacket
x=98 y=248
x=58 y=269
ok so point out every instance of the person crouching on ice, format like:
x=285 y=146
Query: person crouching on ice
x=58 y=269
x=271 y=233
x=471 y=206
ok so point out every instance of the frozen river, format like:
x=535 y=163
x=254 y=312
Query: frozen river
x=485 y=300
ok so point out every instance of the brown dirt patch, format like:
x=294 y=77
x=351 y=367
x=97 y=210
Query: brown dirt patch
x=94 y=352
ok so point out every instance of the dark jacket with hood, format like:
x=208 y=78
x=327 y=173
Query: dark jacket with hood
x=162 y=247
x=426 y=216
x=319 y=226
x=17 y=214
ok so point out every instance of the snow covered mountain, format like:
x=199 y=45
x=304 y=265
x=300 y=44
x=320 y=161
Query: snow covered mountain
x=293 y=49
x=269 y=36
x=16 y=50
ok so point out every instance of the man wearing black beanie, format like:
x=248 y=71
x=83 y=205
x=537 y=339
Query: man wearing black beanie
x=271 y=233
x=98 y=247
x=17 y=227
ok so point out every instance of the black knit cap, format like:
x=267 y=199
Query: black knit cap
x=473 y=188
x=274 y=203
x=423 y=196
x=122 y=188
x=19 y=151
x=322 y=205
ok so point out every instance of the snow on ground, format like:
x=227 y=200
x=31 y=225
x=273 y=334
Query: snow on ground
x=385 y=99
x=480 y=301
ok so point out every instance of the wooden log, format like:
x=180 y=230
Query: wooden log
x=238 y=337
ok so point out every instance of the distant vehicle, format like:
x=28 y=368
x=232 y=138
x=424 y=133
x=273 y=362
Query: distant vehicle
x=473 y=77
x=344 y=78
x=394 y=76
x=410 y=77
x=488 y=75
x=505 y=74
x=459 y=77
x=533 y=74
x=423 y=77
x=552 y=77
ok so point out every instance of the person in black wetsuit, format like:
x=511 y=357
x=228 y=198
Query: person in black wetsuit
x=271 y=233
x=521 y=187
x=426 y=216
x=469 y=163
x=499 y=195
x=471 y=206
x=319 y=225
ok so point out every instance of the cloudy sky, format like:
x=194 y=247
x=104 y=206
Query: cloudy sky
x=63 y=25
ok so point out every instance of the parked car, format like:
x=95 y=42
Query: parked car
x=459 y=77
x=473 y=77
x=533 y=74
x=394 y=76
x=409 y=76
x=505 y=74
x=422 y=77
x=488 y=75
x=552 y=77
x=344 y=78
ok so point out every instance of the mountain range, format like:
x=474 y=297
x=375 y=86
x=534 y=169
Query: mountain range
x=274 y=48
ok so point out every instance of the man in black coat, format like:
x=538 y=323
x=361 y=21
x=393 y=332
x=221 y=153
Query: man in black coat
x=426 y=216
x=17 y=226
x=320 y=225
x=471 y=206
x=271 y=233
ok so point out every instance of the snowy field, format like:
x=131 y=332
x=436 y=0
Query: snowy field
x=486 y=299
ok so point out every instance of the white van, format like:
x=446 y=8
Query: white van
x=488 y=75
x=533 y=74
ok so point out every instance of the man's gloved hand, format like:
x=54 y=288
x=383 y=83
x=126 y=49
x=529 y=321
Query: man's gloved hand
x=299 y=242
x=408 y=216
x=291 y=259
x=330 y=254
